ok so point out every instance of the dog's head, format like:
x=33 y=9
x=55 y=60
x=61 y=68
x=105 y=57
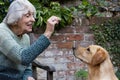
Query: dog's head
x=92 y=54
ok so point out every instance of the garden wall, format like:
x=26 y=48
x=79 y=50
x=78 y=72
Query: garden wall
x=60 y=53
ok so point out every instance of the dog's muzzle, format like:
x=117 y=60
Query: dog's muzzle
x=74 y=48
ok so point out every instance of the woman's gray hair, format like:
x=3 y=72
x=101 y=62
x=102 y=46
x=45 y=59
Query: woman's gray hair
x=17 y=9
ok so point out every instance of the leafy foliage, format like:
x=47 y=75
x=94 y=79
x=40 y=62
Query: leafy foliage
x=81 y=73
x=3 y=8
x=44 y=11
x=108 y=36
x=118 y=73
x=87 y=9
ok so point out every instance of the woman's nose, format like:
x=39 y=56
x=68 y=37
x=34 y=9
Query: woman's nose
x=32 y=18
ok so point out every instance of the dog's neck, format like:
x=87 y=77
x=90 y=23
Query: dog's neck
x=103 y=71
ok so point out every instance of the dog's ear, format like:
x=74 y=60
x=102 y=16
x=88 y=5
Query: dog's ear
x=99 y=57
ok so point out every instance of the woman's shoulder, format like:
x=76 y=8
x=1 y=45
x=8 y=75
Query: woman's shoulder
x=3 y=28
x=2 y=25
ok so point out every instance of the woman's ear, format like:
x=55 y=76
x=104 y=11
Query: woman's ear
x=99 y=57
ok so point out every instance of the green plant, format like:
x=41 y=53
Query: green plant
x=87 y=8
x=53 y=8
x=81 y=73
x=118 y=73
x=3 y=8
x=108 y=36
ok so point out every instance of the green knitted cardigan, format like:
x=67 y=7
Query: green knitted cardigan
x=16 y=54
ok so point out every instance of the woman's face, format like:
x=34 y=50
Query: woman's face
x=26 y=22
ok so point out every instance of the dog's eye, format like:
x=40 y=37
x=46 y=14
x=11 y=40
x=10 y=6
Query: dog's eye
x=88 y=49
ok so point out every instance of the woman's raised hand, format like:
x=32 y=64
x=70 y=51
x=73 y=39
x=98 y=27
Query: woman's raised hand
x=51 y=22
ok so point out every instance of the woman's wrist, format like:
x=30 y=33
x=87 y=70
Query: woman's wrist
x=47 y=34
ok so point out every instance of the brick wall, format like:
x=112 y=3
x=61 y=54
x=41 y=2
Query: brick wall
x=60 y=53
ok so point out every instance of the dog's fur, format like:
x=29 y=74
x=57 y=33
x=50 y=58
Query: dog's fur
x=98 y=61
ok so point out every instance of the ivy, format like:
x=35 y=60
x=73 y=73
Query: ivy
x=3 y=8
x=88 y=9
x=108 y=36
x=85 y=8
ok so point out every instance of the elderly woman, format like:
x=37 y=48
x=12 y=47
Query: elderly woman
x=16 y=53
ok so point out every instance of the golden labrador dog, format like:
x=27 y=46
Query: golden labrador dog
x=98 y=60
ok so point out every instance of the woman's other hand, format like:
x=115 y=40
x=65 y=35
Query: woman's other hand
x=30 y=78
x=51 y=22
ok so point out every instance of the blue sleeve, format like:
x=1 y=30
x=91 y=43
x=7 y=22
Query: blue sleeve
x=29 y=54
x=18 y=54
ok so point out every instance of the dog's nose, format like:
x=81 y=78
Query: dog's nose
x=73 y=48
